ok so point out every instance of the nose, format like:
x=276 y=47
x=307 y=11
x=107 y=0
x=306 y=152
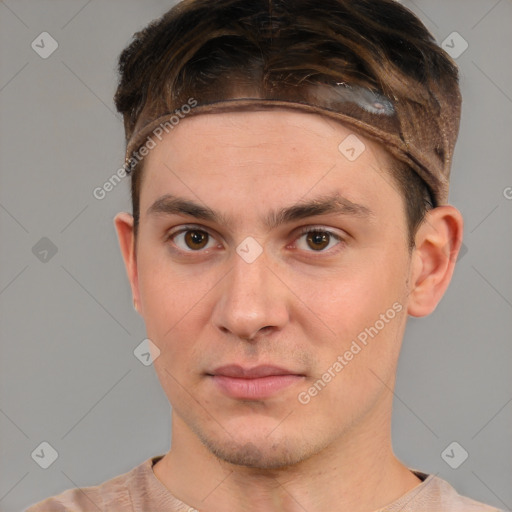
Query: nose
x=253 y=300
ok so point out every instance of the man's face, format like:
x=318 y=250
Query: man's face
x=308 y=301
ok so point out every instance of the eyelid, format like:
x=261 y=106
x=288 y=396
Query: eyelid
x=190 y=227
x=323 y=229
x=187 y=227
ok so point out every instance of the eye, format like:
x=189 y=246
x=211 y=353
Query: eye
x=317 y=240
x=192 y=239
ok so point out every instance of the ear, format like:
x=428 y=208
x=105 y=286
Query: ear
x=437 y=244
x=124 y=226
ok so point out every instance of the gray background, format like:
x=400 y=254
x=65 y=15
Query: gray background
x=68 y=374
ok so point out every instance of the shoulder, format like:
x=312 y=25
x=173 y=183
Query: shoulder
x=451 y=500
x=112 y=495
x=436 y=495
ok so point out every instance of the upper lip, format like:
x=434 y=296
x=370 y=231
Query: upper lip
x=237 y=371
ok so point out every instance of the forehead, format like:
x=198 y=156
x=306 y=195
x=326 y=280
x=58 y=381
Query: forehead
x=265 y=153
x=283 y=134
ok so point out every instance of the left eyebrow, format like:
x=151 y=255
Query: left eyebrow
x=333 y=204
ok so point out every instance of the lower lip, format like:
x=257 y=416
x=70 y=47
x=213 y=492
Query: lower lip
x=254 y=389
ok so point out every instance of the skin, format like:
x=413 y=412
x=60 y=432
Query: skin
x=299 y=305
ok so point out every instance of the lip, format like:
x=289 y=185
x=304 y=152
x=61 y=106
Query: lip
x=262 y=370
x=254 y=383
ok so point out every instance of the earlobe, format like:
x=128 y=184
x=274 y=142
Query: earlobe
x=125 y=233
x=438 y=241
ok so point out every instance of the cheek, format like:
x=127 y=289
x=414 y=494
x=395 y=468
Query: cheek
x=354 y=363
x=167 y=296
x=176 y=305
x=363 y=307
x=171 y=308
x=353 y=298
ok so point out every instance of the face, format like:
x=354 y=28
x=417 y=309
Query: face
x=264 y=249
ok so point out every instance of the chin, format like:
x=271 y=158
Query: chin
x=259 y=453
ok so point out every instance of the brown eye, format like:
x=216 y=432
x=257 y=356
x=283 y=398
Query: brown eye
x=196 y=239
x=318 y=240
x=192 y=240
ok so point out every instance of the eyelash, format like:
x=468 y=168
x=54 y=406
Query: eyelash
x=303 y=231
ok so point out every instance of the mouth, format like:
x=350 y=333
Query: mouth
x=254 y=383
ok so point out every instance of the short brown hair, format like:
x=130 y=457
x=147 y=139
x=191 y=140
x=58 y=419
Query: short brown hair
x=246 y=47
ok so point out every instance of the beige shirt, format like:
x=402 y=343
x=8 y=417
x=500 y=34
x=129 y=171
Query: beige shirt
x=139 y=490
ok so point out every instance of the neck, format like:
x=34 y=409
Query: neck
x=357 y=472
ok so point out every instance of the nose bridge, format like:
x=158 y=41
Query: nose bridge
x=252 y=299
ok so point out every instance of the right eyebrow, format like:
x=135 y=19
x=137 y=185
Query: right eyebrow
x=171 y=205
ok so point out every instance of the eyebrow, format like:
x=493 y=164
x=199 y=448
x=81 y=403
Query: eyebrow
x=331 y=204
